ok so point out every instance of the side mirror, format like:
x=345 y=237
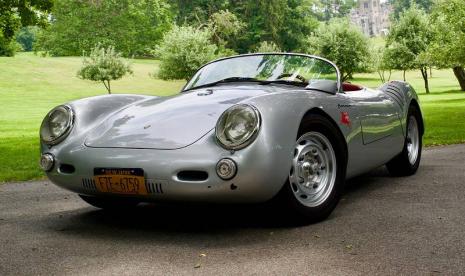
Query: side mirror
x=328 y=86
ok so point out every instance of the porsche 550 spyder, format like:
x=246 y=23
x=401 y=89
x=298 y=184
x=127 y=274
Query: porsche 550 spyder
x=244 y=129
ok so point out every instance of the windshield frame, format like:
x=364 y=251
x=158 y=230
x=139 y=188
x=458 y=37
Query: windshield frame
x=338 y=73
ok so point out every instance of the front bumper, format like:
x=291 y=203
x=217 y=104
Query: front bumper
x=262 y=170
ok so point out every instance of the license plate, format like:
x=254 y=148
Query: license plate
x=120 y=181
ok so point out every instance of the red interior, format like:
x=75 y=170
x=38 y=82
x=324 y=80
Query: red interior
x=347 y=87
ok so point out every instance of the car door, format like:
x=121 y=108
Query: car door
x=380 y=135
x=378 y=114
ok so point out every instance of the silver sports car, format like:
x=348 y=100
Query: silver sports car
x=245 y=129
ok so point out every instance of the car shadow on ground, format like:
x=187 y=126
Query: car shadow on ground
x=204 y=219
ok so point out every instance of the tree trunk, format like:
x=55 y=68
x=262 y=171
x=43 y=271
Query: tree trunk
x=460 y=75
x=404 y=75
x=431 y=72
x=424 y=73
x=107 y=86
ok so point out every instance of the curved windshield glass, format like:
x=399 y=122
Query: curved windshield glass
x=291 y=69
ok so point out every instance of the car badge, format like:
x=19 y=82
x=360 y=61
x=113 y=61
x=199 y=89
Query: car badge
x=205 y=93
x=345 y=119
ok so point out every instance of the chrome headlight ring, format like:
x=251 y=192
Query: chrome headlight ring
x=57 y=125
x=238 y=126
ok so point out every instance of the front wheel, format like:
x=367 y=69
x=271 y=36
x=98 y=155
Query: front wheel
x=408 y=161
x=317 y=175
x=110 y=203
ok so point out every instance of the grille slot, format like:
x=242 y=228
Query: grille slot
x=89 y=184
x=155 y=186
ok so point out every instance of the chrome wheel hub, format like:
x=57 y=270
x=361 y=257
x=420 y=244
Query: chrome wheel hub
x=313 y=171
x=413 y=140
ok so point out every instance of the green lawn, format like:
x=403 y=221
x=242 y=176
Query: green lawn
x=32 y=85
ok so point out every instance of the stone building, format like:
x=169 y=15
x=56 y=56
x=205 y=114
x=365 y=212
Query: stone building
x=372 y=16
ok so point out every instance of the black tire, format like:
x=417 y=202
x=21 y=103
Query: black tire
x=110 y=203
x=401 y=165
x=290 y=207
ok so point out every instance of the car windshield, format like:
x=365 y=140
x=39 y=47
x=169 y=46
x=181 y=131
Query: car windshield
x=265 y=68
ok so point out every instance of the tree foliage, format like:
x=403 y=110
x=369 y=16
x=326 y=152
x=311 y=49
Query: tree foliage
x=408 y=42
x=14 y=14
x=399 y=6
x=267 y=47
x=342 y=43
x=26 y=37
x=225 y=26
x=329 y=9
x=382 y=63
x=104 y=65
x=133 y=27
x=284 y=22
x=448 y=46
x=183 y=50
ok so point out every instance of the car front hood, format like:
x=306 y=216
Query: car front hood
x=169 y=122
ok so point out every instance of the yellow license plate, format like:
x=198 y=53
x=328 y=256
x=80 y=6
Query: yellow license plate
x=120 y=181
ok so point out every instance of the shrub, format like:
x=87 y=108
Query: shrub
x=105 y=65
x=183 y=50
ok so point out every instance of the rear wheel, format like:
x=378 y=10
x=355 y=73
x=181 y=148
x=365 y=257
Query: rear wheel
x=408 y=161
x=317 y=176
x=110 y=203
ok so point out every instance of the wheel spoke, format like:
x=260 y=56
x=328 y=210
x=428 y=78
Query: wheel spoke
x=314 y=171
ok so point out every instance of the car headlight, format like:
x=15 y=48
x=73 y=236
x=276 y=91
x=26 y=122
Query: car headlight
x=57 y=125
x=238 y=126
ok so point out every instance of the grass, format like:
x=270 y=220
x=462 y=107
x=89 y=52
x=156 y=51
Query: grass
x=32 y=85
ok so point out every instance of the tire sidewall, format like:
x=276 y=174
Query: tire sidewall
x=320 y=124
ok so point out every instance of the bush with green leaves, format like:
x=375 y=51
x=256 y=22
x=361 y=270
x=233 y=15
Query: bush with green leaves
x=342 y=43
x=183 y=50
x=104 y=65
x=267 y=47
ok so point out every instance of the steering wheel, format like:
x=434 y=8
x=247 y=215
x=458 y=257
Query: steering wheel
x=286 y=75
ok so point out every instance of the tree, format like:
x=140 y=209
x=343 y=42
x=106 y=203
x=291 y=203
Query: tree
x=224 y=27
x=400 y=6
x=104 y=65
x=14 y=14
x=267 y=47
x=330 y=9
x=399 y=57
x=342 y=43
x=183 y=50
x=409 y=38
x=381 y=63
x=26 y=37
x=133 y=27
x=286 y=22
x=448 y=46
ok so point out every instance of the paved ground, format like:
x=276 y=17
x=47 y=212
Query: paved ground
x=383 y=225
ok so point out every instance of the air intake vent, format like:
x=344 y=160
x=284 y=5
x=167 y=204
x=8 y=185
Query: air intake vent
x=193 y=176
x=154 y=186
x=89 y=184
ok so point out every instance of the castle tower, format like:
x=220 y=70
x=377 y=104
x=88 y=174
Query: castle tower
x=372 y=17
